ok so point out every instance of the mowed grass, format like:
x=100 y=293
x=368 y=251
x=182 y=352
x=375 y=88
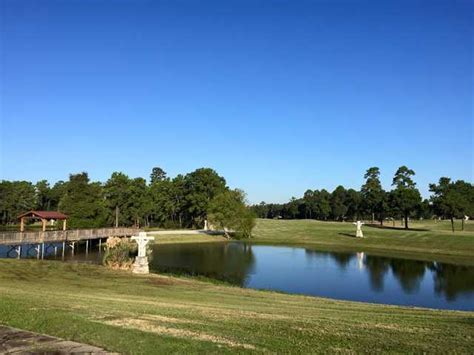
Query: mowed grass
x=425 y=240
x=157 y=314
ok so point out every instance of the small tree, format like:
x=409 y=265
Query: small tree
x=405 y=197
x=453 y=199
x=228 y=211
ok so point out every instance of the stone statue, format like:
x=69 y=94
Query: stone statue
x=140 y=266
x=206 y=227
x=359 y=233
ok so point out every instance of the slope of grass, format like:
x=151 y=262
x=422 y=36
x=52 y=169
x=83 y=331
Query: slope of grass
x=426 y=240
x=156 y=314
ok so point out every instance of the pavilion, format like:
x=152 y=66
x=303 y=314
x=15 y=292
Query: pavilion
x=44 y=216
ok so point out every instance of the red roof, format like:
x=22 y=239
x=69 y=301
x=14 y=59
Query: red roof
x=44 y=214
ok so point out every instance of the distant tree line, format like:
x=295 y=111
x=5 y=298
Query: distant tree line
x=450 y=199
x=184 y=201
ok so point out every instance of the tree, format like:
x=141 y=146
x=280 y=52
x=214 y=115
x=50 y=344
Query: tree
x=139 y=204
x=405 y=197
x=43 y=192
x=228 y=211
x=261 y=210
x=353 y=202
x=309 y=200
x=83 y=202
x=337 y=202
x=292 y=208
x=56 y=193
x=117 y=195
x=157 y=174
x=323 y=206
x=16 y=197
x=373 y=195
x=168 y=201
x=201 y=186
x=453 y=199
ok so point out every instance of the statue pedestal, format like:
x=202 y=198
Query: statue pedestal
x=140 y=266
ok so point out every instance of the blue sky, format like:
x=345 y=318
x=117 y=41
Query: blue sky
x=277 y=96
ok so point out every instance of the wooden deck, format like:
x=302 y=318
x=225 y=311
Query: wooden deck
x=73 y=235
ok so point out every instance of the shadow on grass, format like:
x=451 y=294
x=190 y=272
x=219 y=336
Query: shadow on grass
x=347 y=235
x=397 y=228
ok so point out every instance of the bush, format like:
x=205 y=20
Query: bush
x=119 y=253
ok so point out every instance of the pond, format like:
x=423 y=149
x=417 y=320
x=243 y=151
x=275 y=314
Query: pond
x=346 y=276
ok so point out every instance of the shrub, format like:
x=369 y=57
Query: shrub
x=119 y=253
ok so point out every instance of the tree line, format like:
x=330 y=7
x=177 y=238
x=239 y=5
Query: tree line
x=184 y=201
x=449 y=199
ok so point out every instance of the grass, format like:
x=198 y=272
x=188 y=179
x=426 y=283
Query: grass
x=158 y=314
x=426 y=240
x=188 y=238
x=162 y=314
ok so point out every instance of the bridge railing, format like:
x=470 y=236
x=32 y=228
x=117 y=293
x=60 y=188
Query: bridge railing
x=67 y=235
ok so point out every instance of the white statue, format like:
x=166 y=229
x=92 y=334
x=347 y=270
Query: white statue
x=141 y=262
x=206 y=227
x=142 y=240
x=359 y=233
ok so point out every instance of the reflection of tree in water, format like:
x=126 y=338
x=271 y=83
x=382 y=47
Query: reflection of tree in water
x=451 y=280
x=230 y=262
x=409 y=273
x=377 y=268
x=342 y=259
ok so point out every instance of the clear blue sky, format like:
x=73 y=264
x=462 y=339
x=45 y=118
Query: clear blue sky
x=277 y=96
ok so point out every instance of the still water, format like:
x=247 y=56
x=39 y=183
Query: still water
x=346 y=276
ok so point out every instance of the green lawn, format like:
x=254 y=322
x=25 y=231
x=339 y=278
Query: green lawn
x=157 y=314
x=427 y=240
x=149 y=314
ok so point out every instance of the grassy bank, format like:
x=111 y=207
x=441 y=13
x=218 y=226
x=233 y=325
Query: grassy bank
x=151 y=314
x=426 y=240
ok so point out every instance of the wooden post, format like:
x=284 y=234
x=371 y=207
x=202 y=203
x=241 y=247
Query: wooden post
x=22 y=224
x=87 y=247
x=64 y=247
x=100 y=245
x=44 y=224
x=64 y=225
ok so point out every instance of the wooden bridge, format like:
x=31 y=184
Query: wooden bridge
x=67 y=237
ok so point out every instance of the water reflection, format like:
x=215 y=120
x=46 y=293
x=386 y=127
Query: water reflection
x=377 y=268
x=231 y=262
x=353 y=276
x=350 y=276
x=451 y=280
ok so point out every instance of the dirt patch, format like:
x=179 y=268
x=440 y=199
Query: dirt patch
x=162 y=281
x=164 y=319
x=148 y=326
